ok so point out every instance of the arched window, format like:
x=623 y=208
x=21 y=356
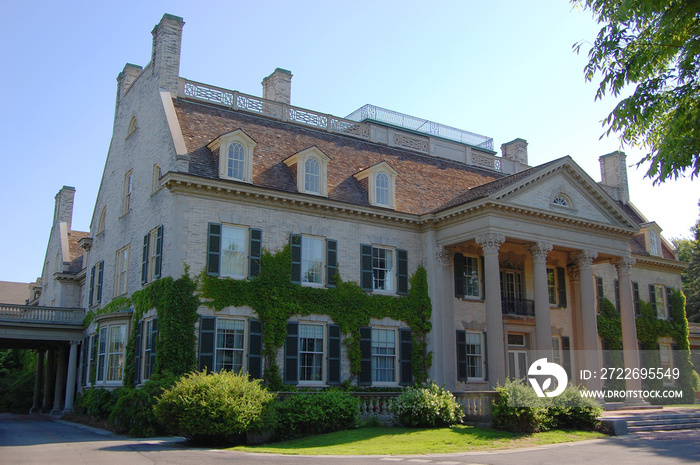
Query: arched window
x=653 y=243
x=132 y=126
x=101 y=222
x=382 y=189
x=312 y=176
x=236 y=161
x=561 y=200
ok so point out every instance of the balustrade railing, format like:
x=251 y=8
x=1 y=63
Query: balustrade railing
x=32 y=314
x=520 y=307
x=476 y=404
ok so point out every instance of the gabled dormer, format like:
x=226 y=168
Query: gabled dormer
x=235 y=155
x=311 y=169
x=652 y=239
x=380 y=182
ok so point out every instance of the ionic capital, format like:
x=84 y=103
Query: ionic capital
x=490 y=242
x=540 y=250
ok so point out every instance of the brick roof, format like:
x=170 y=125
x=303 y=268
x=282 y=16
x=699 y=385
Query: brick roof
x=14 y=293
x=423 y=184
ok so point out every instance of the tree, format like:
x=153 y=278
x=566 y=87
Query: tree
x=653 y=46
x=690 y=248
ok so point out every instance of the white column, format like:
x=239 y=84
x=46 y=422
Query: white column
x=589 y=324
x=543 y=319
x=60 y=381
x=443 y=258
x=630 y=348
x=70 y=382
x=496 y=360
x=576 y=319
x=49 y=379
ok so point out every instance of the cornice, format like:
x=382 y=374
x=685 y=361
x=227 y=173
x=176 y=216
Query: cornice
x=653 y=262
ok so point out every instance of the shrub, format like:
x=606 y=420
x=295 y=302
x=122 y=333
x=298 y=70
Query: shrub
x=214 y=409
x=133 y=413
x=315 y=413
x=426 y=407
x=509 y=411
x=95 y=403
x=570 y=410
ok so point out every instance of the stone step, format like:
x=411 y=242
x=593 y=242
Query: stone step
x=674 y=427
x=674 y=421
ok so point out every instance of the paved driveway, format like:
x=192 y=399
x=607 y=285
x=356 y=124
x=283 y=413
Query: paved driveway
x=28 y=439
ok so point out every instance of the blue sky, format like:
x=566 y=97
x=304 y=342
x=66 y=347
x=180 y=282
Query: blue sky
x=504 y=69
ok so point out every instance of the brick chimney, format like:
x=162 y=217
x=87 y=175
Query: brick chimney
x=613 y=172
x=278 y=86
x=165 y=57
x=63 y=212
x=515 y=150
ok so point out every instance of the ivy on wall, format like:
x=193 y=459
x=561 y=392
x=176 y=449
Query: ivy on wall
x=649 y=330
x=275 y=299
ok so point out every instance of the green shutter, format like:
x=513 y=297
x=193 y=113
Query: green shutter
x=617 y=296
x=100 y=275
x=255 y=252
x=154 y=348
x=405 y=349
x=333 y=355
x=157 y=272
x=291 y=354
x=213 y=249
x=138 y=350
x=461 y=355
x=365 y=376
x=561 y=286
x=652 y=298
x=401 y=272
x=92 y=286
x=366 y=276
x=207 y=336
x=295 y=243
x=255 y=349
x=635 y=296
x=460 y=263
x=601 y=296
x=93 y=357
x=144 y=261
x=486 y=357
x=331 y=262
x=566 y=353
x=668 y=302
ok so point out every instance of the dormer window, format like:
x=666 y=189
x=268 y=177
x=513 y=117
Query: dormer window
x=652 y=234
x=653 y=243
x=311 y=168
x=235 y=156
x=380 y=182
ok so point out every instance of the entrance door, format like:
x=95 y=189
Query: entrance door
x=517 y=363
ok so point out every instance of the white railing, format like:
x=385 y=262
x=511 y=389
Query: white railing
x=476 y=404
x=248 y=103
x=31 y=314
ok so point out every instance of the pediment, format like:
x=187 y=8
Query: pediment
x=564 y=189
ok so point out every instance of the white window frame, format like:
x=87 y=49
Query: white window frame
x=157 y=174
x=223 y=143
x=222 y=252
x=393 y=357
x=152 y=254
x=106 y=355
x=101 y=356
x=312 y=176
x=323 y=353
x=101 y=221
x=121 y=272
x=552 y=288
x=479 y=357
x=661 y=304
x=218 y=351
x=298 y=162
x=370 y=175
x=382 y=189
x=473 y=263
x=148 y=343
x=668 y=363
x=305 y=248
x=557 y=353
x=128 y=190
x=653 y=242
x=524 y=344
x=390 y=273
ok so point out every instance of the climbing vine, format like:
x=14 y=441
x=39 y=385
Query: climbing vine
x=275 y=299
x=649 y=330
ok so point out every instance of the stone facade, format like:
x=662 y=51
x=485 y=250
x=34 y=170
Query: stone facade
x=513 y=256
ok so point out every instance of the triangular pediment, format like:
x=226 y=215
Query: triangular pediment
x=564 y=189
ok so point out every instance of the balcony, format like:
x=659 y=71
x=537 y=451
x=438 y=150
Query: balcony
x=26 y=314
x=518 y=307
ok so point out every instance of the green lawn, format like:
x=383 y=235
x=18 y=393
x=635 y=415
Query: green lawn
x=403 y=441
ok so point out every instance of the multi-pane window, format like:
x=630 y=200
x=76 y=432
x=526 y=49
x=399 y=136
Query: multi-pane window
x=471 y=277
x=149 y=345
x=152 y=255
x=666 y=359
x=312 y=260
x=115 y=352
x=556 y=350
x=101 y=354
x=230 y=336
x=233 y=251
x=561 y=200
x=122 y=271
x=312 y=176
x=235 y=165
x=382 y=189
x=660 y=299
x=310 y=352
x=127 y=192
x=383 y=269
x=474 y=355
x=552 y=286
x=653 y=243
x=383 y=355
